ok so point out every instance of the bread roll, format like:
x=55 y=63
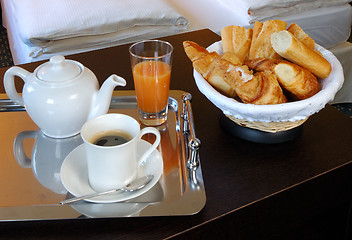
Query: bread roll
x=295 y=79
x=232 y=58
x=301 y=35
x=261 y=45
x=220 y=76
x=257 y=27
x=237 y=40
x=289 y=47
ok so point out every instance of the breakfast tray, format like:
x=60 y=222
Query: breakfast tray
x=31 y=188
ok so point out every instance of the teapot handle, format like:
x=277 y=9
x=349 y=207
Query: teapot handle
x=9 y=83
x=18 y=149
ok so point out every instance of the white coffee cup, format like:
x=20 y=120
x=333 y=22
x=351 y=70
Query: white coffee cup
x=111 y=167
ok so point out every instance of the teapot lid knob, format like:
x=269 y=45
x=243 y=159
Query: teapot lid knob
x=58 y=70
x=57 y=59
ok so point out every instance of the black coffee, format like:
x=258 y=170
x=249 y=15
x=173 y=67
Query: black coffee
x=111 y=138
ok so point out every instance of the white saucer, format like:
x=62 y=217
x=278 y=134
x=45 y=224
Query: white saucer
x=74 y=174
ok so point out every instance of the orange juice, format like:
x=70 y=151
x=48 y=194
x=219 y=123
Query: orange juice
x=152 y=82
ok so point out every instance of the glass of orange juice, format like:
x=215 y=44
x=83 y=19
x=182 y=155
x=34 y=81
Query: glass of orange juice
x=151 y=68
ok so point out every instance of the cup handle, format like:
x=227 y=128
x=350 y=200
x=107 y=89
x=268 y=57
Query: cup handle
x=153 y=147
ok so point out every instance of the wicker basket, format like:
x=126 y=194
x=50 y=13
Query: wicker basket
x=272 y=127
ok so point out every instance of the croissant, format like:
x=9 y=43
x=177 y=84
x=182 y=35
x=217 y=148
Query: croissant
x=200 y=57
x=203 y=63
x=297 y=80
x=260 y=88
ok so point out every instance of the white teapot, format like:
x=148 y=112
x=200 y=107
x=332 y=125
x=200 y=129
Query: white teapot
x=61 y=95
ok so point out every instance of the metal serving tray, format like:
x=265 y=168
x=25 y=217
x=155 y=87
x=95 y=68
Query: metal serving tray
x=31 y=188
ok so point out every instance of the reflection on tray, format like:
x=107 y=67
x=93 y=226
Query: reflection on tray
x=47 y=157
x=129 y=208
x=31 y=162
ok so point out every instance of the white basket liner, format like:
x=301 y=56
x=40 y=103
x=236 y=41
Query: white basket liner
x=291 y=111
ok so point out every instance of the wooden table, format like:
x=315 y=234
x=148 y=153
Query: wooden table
x=253 y=190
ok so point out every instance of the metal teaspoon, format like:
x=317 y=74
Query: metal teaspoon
x=131 y=187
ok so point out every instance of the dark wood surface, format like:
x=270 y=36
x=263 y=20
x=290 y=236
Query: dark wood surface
x=253 y=190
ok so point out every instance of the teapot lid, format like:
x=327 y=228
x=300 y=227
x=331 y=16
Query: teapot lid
x=58 y=70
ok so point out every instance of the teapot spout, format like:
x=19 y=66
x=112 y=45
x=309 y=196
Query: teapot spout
x=102 y=99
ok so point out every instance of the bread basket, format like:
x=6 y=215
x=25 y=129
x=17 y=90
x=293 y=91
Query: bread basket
x=278 y=117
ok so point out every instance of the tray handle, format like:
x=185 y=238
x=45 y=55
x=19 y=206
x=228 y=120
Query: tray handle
x=193 y=143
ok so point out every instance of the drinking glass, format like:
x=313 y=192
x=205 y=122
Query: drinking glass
x=151 y=68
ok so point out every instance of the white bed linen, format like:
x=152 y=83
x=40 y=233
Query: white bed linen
x=328 y=26
x=42 y=20
x=101 y=40
x=47 y=26
x=260 y=10
x=343 y=52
